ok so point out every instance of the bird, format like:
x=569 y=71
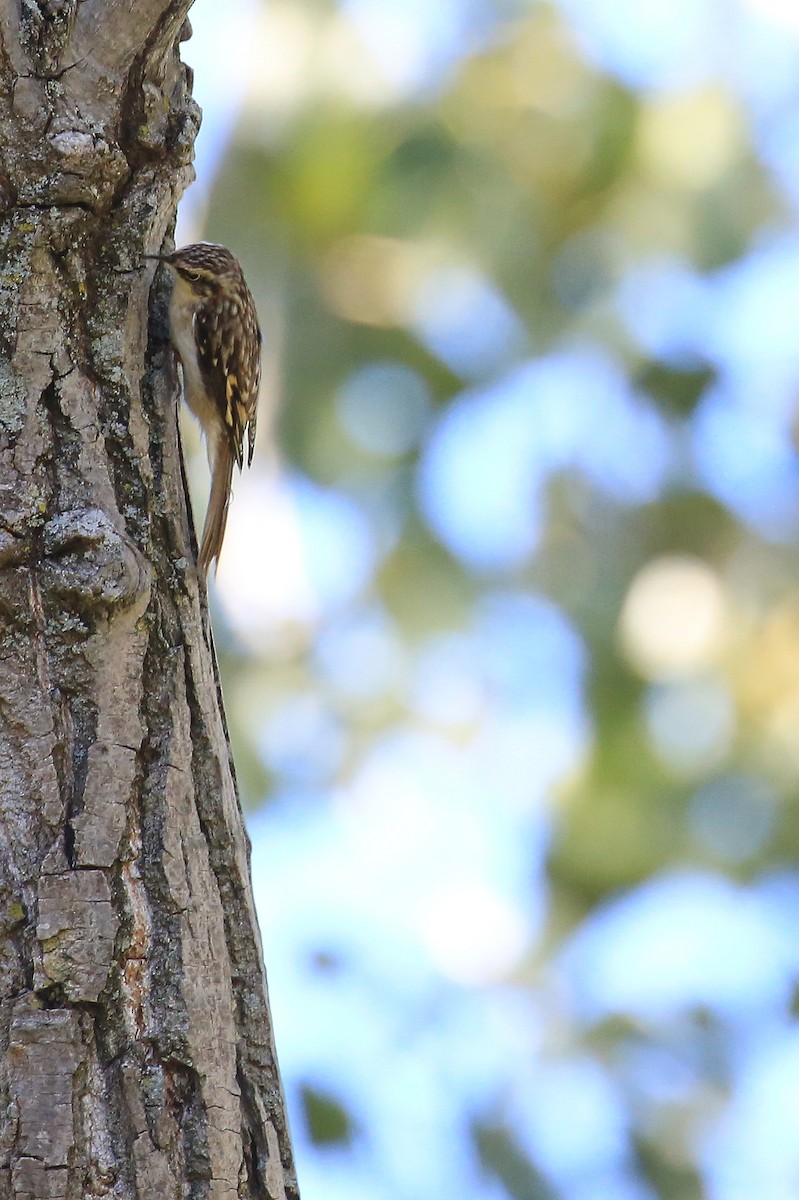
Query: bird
x=213 y=326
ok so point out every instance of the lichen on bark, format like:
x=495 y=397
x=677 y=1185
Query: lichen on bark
x=136 y=1053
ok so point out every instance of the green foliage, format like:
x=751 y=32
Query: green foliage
x=501 y=1159
x=328 y=1122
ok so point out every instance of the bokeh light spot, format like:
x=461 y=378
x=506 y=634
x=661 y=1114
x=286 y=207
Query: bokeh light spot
x=689 y=140
x=473 y=934
x=674 y=618
x=384 y=407
x=465 y=321
x=733 y=816
x=691 y=723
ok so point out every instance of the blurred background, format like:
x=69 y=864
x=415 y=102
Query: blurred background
x=508 y=611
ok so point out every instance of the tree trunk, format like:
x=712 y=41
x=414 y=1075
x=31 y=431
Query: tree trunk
x=136 y=1054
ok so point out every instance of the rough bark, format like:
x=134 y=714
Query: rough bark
x=136 y=1054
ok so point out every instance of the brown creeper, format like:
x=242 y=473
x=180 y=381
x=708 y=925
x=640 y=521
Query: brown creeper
x=214 y=329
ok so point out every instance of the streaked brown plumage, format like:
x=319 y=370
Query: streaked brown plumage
x=214 y=329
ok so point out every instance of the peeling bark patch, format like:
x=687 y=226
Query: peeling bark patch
x=43 y=1055
x=77 y=927
x=97 y=831
x=32 y=1180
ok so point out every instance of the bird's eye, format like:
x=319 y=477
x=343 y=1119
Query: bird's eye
x=192 y=276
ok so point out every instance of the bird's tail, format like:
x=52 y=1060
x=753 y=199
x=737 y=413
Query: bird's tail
x=216 y=516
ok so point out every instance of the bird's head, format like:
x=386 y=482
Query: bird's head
x=204 y=269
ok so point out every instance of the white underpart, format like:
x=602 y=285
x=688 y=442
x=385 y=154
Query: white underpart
x=182 y=312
